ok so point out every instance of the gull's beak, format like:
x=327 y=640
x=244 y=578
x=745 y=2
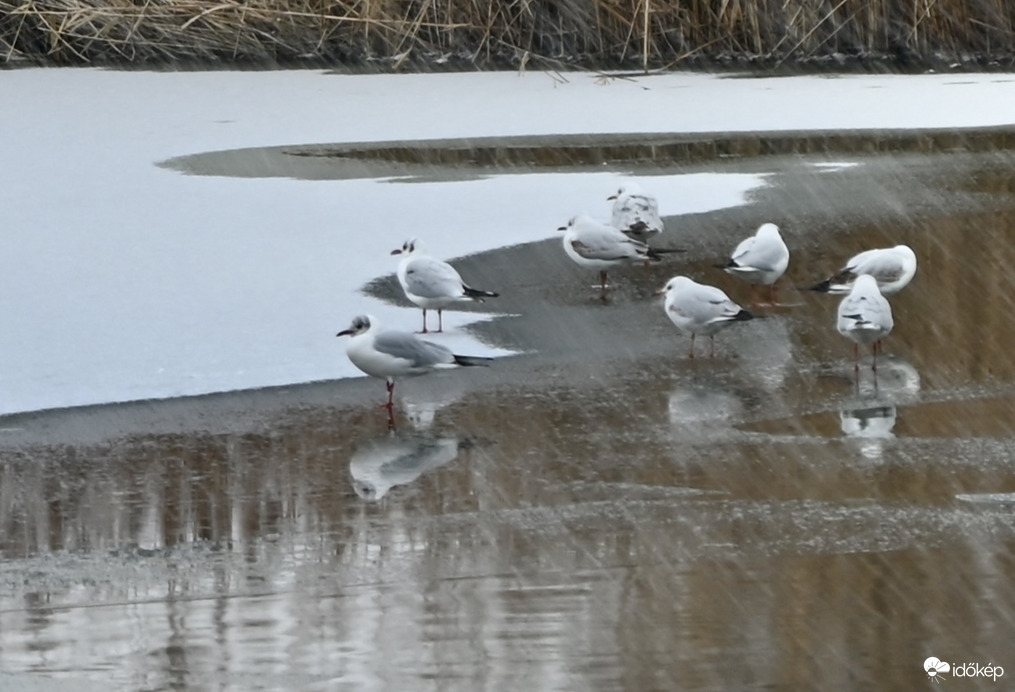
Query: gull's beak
x=660 y=292
x=396 y=252
x=611 y=198
x=562 y=228
x=344 y=332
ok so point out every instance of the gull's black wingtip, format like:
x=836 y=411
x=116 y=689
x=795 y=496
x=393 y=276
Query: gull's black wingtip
x=822 y=286
x=478 y=295
x=473 y=361
x=743 y=315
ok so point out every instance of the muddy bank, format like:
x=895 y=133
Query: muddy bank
x=598 y=512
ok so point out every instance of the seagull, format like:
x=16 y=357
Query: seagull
x=700 y=309
x=760 y=260
x=600 y=246
x=389 y=354
x=892 y=267
x=636 y=213
x=865 y=317
x=432 y=284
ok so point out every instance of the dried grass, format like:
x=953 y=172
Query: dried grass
x=498 y=33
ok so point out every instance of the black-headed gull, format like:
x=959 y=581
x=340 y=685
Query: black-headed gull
x=431 y=283
x=865 y=317
x=388 y=354
x=893 y=268
x=600 y=246
x=700 y=309
x=636 y=212
x=760 y=260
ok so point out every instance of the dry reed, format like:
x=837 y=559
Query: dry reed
x=500 y=33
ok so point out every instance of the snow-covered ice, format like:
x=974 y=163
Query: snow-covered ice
x=123 y=280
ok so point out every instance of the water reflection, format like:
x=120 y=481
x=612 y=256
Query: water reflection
x=870 y=415
x=397 y=458
x=697 y=406
x=423 y=397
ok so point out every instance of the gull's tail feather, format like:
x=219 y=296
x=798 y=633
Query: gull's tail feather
x=469 y=361
x=478 y=295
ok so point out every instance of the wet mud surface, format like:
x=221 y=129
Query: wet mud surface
x=599 y=512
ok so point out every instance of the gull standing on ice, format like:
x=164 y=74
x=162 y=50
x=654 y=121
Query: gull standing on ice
x=700 y=309
x=865 y=317
x=760 y=260
x=893 y=268
x=388 y=354
x=431 y=283
x=636 y=213
x=600 y=246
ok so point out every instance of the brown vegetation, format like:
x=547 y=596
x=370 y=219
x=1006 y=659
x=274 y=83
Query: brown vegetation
x=501 y=33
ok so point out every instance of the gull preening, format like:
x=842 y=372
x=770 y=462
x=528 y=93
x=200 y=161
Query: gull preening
x=699 y=309
x=760 y=260
x=596 y=245
x=636 y=212
x=389 y=354
x=433 y=284
x=865 y=317
x=892 y=267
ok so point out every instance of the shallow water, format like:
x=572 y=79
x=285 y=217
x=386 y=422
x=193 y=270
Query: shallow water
x=599 y=513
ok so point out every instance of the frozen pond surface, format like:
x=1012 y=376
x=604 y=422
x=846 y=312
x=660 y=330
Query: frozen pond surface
x=596 y=513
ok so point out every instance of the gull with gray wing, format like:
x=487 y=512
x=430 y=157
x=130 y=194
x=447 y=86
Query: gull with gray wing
x=389 y=354
x=596 y=245
x=433 y=284
x=892 y=267
x=636 y=212
x=700 y=309
x=760 y=260
x=865 y=317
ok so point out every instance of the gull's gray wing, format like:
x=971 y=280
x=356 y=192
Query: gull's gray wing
x=601 y=242
x=758 y=253
x=431 y=278
x=422 y=354
x=705 y=304
x=884 y=265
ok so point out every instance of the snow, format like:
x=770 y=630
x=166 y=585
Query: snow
x=122 y=280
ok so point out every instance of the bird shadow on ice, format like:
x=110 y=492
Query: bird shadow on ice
x=398 y=458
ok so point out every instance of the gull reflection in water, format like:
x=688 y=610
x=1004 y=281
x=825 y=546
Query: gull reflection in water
x=870 y=417
x=381 y=463
x=423 y=397
x=697 y=411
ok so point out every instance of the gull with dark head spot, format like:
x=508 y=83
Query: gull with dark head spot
x=389 y=354
x=865 y=317
x=699 y=309
x=596 y=245
x=636 y=213
x=432 y=284
x=892 y=267
x=760 y=260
